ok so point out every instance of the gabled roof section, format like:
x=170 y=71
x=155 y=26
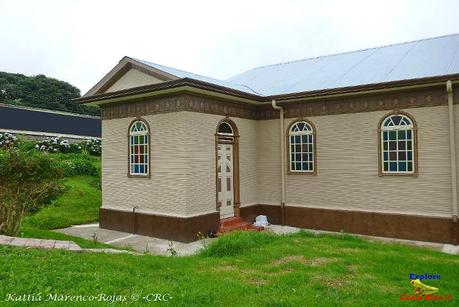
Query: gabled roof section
x=419 y=59
x=184 y=74
x=417 y=62
x=124 y=66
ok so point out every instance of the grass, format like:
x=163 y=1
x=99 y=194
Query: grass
x=246 y=269
x=79 y=205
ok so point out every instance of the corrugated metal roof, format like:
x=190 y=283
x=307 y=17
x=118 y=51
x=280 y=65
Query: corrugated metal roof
x=185 y=74
x=412 y=60
x=430 y=57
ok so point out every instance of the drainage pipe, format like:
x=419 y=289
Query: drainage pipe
x=282 y=154
x=452 y=148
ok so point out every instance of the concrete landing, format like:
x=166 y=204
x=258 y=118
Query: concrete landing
x=55 y=244
x=138 y=243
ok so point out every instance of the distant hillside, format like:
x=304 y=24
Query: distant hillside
x=41 y=92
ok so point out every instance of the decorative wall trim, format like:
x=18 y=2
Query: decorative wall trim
x=317 y=107
x=410 y=227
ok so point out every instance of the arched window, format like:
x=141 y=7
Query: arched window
x=302 y=156
x=139 y=155
x=398 y=146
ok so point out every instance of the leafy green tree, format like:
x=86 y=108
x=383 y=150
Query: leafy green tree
x=28 y=181
x=41 y=92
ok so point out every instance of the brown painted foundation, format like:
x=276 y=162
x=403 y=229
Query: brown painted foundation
x=165 y=227
x=410 y=227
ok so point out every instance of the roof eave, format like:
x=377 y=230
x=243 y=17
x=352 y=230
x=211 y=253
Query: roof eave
x=192 y=85
x=367 y=89
x=169 y=87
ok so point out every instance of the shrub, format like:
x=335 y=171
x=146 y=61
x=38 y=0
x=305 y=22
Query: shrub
x=7 y=140
x=28 y=181
x=75 y=165
x=93 y=147
x=58 y=144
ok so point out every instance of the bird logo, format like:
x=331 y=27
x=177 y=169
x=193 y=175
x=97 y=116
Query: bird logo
x=422 y=289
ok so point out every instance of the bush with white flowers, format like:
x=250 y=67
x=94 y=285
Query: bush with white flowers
x=7 y=140
x=58 y=144
x=93 y=147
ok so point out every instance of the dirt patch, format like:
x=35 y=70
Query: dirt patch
x=319 y=261
x=330 y=282
x=225 y=268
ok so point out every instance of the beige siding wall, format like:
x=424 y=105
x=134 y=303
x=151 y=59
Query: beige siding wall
x=347 y=167
x=164 y=193
x=182 y=164
x=133 y=78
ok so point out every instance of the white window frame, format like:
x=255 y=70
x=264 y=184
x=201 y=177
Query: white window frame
x=146 y=146
x=397 y=128
x=305 y=132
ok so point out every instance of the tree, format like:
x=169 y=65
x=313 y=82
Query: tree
x=28 y=181
x=41 y=92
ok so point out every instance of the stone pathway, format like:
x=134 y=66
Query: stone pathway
x=55 y=244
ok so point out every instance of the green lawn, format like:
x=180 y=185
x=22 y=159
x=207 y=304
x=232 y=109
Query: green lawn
x=239 y=269
x=79 y=205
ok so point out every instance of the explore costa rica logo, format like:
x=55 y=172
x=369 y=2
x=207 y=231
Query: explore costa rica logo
x=423 y=291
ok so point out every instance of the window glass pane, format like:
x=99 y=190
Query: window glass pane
x=298 y=166
x=402 y=155
x=408 y=145
x=410 y=166
x=305 y=166
x=311 y=166
x=401 y=135
x=402 y=167
x=392 y=145
x=386 y=156
x=386 y=166
x=409 y=155
x=300 y=126
x=408 y=134
x=392 y=135
x=393 y=166
x=393 y=155
x=385 y=145
x=385 y=135
x=396 y=119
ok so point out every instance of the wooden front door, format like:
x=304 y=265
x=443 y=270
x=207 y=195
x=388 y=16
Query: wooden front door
x=225 y=188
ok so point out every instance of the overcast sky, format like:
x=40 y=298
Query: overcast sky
x=80 y=41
